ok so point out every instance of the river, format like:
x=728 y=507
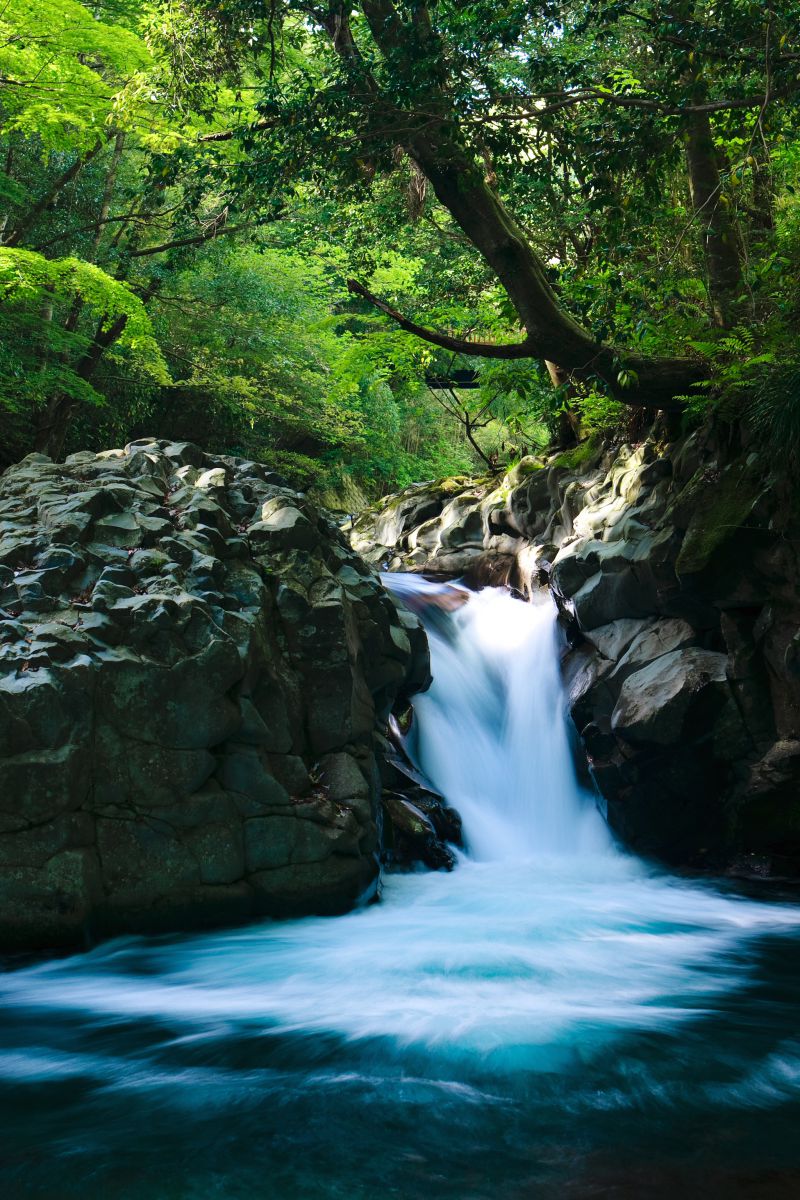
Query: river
x=554 y=1018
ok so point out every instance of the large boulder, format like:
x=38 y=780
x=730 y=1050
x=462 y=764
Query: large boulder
x=194 y=670
x=656 y=701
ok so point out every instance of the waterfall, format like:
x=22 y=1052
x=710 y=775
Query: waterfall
x=491 y=733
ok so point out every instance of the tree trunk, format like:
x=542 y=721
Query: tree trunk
x=51 y=434
x=553 y=333
x=471 y=439
x=720 y=241
x=569 y=422
x=459 y=183
x=108 y=194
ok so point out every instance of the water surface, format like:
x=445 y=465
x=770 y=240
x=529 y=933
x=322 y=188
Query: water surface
x=554 y=1018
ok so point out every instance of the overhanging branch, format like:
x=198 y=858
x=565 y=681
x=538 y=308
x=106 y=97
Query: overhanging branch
x=195 y=240
x=524 y=349
x=225 y=135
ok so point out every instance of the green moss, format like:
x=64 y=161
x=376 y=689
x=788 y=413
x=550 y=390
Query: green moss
x=521 y=470
x=719 y=507
x=578 y=456
x=527 y=466
x=454 y=484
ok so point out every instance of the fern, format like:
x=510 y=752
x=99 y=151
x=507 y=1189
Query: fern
x=774 y=413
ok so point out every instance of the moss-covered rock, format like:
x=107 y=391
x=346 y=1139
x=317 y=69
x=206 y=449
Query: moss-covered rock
x=718 y=504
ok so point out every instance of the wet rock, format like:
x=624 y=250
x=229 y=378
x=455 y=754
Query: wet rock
x=676 y=570
x=195 y=669
x=419 y=827
x=414 y=838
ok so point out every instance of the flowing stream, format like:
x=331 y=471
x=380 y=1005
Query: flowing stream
x=554 y=1018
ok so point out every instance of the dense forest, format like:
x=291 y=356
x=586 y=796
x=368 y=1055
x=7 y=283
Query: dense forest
x=297 y=231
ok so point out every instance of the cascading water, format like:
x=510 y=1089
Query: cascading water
x=492 y=732
x=551 y=1019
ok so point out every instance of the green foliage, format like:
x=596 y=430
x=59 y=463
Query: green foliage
x=38 y=358
x=276 y=373
x=600 y=416
x=187 y=186
x=27 y=277
x=735 y=355
x=67 y=71
x=743 y=360
x=774 y=413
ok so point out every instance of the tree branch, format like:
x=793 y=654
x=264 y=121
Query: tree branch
x=225 y=135
x=195 y=240
x=522 y=349
x=448 y=161
x=669 y=110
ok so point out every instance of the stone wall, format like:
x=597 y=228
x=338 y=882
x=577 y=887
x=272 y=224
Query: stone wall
x=195 y=669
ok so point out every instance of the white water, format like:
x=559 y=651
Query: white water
x=537 y=952
x=492 y=734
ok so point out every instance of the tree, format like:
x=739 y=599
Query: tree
x=187 y=187
x=435 y=80
x=144 y=287
x=96 y=162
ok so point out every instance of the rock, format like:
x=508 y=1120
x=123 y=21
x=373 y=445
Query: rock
x=654 y=701
x=656 y=639
x=612 y=640
x=195 y=671
x=676 y=570
x=414 y=836
x=717 y=504
x=767 y=805
x=435 y=518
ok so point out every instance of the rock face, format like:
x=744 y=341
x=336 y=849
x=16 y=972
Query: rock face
x=419 y=827
x=677 y=572
x=195 y=670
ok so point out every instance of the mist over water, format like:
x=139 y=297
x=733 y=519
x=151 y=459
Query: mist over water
x=554 y=1018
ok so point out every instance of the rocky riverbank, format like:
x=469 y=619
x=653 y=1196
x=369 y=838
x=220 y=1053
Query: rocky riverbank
x=676 y=568
x=196 y=673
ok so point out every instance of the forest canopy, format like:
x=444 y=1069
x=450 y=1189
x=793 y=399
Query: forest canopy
x=372 y=243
